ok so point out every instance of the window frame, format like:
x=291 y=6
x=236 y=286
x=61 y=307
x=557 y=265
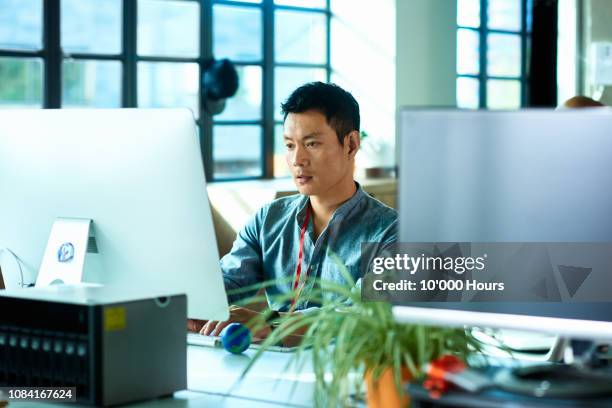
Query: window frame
x=483 y=31
x=52 y=58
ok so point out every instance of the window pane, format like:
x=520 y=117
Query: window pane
x=21 y=24
x=526 y=62
x=168 y=85
x=21 y=82
x=237 y=151
x=468 y=54
x=301 y=3
x=468 y=90
x=504 y=15
x=529 y=16
x=237 y=33
x=280 y=165
x=246 y=104
x=468 y=13
x=504 y=55
x=247 y=1
x=168 y=28
x=503 y=94
x=286 y=80
x=300 y=37
x=92 y=26
x=91 y=84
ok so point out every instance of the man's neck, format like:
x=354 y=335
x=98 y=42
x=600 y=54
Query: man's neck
x=323 y=206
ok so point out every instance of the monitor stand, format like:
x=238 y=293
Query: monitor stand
x=565 y=377
x=64 y=256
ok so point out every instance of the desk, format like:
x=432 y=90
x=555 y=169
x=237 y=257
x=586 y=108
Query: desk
x=215 y=371
x=213 y=381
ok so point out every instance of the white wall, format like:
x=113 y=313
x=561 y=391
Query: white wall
x=393 y=53
x=426 y=52
x=597 y=27
x=363 y=62
x=567 y=57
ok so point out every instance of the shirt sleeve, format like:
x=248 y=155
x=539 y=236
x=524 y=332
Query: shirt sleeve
x=384 y=245
x=390 y=234
x=243 y=265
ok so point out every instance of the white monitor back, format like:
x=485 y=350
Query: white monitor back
x=522 y=176
x=138 y=174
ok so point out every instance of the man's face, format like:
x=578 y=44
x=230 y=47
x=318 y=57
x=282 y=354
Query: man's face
x=317 y=160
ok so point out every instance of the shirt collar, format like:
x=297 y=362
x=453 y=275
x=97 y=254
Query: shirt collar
x=340 y=212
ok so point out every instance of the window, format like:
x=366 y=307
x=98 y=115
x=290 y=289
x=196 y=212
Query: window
x=90 y=40
x=21 y=65
x=150 y=53
x=492 y=45
x=295 y=68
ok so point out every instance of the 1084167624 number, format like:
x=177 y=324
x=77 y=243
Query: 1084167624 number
x=62 y=394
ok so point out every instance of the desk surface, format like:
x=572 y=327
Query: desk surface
x=213 y=380
x=215 y=371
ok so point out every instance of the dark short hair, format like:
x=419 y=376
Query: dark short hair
x=339 y=107
x=580 y=101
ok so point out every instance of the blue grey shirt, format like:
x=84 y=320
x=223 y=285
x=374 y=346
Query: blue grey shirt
x=267 y=247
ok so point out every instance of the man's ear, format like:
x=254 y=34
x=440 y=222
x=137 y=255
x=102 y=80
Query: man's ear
x=353 y=141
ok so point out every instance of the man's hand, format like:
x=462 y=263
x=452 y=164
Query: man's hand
x=237 y=315
x=195 y=325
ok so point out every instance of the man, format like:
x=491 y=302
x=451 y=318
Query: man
x=580 y=101
x=290 y=239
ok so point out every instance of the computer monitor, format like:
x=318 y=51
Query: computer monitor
x=514 y=177
x=137 y=174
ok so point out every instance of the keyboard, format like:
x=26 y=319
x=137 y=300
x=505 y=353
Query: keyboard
x=195 y=339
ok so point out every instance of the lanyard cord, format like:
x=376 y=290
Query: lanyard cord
x=298 y=268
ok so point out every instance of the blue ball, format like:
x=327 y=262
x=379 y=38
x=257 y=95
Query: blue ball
x=236 y=338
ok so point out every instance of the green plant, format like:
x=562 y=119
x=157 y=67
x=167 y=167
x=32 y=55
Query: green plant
x=347 y=335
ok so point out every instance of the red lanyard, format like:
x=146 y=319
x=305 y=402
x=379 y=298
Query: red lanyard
x=298 y=269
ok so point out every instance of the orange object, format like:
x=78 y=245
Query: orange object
x=437 y=374
x=383 y=393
